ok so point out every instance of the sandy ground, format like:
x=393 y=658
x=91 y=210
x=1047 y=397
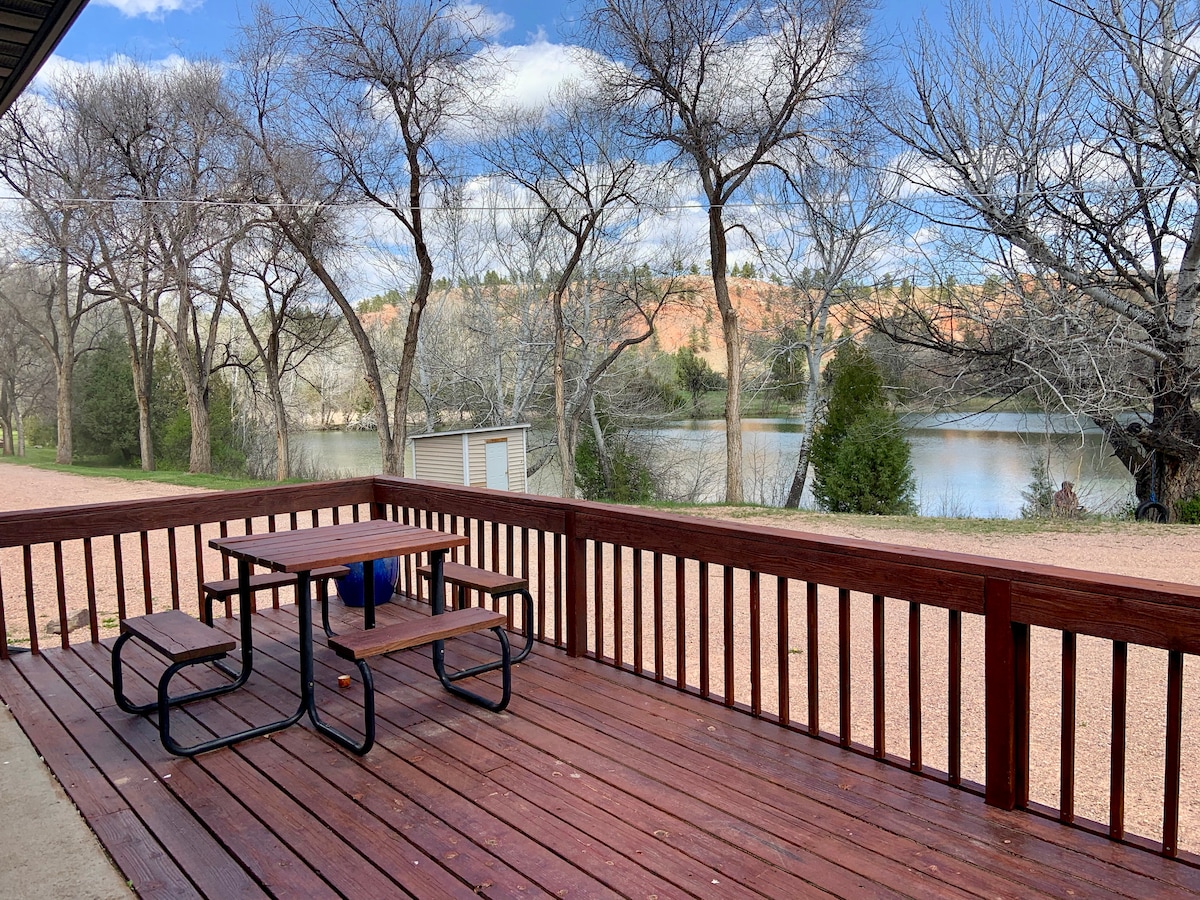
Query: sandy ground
x=1167 y=553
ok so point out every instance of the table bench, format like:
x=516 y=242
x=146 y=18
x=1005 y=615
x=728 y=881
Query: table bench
x=496 y=585
x=227 y=588
x=360 y=646
x=184 y=641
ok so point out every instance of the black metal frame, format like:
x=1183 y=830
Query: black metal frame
x=307 y=704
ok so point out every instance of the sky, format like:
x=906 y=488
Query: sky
x=153 y=30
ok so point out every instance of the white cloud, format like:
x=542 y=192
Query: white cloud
x=482 y=20
x=529 y=73
x=151 y=9
x=58 y=67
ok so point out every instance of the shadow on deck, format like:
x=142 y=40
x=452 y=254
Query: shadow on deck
x=594 y=783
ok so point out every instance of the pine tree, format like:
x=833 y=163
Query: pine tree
x=861 y=460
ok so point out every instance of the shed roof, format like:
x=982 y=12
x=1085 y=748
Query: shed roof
x=438 y=434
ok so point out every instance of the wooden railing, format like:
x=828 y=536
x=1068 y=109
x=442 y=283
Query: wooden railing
x=1021 y=682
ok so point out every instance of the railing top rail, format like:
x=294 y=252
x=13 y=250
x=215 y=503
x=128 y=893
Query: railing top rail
x=64 y=523
x=525 y=510
x=773 y=550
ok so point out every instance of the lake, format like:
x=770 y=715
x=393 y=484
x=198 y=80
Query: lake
x=965 y=465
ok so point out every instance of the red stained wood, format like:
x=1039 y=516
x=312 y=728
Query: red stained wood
x=878 y=673
x=814 y=684
x=783 y=652
x=1170 y=841
x=588 y=784
x=1116 y=791
x=311 y=548
x=954 y=698
x=915 y=707
x=1066 y=791
x=844 y=667
x=403 y=635
x=178 y=636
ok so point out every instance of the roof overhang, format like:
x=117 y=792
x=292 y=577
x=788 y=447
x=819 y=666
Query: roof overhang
x=29 y=32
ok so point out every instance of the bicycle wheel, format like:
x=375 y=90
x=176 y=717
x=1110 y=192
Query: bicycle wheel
x=1151 y=511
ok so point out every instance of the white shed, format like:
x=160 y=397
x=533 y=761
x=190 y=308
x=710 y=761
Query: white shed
x=484 y=457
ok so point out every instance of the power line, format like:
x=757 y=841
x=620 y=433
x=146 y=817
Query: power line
x=694 y=206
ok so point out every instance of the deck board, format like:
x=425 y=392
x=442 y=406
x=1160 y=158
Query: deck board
x=594 y=783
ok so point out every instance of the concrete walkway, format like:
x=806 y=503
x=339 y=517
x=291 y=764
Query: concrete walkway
x=46 y=848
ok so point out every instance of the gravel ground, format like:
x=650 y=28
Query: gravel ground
x=1163 y=552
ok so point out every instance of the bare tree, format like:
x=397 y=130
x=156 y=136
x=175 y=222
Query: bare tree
x=49 y=163
x=723 y=84
x=25 y=374
x=173 y=155
x=822 y=227
x=380 y=84
x=285 y=320
x=485 y=351
x=572 y=161
x=1070 y=141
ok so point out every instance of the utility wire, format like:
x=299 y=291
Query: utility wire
x=1114 y=190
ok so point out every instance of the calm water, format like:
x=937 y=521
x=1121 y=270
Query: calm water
x=974 y=465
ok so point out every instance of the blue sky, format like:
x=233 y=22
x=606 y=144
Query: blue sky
x=149 y=30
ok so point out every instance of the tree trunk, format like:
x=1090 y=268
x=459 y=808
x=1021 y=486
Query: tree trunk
x=602 y=455
x=718 y=248
x=283 y=462
x=566 y=454
x=800 y=476
x=141 y=362
x=66 y=363
x=66 y=376
x=200 y=453
x=812 y=400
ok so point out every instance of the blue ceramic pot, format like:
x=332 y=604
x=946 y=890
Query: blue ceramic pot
x=350 y=587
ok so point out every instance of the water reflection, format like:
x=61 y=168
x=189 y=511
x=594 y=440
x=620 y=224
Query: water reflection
x=974 y=465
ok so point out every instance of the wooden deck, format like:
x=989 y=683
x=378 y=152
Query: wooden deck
x=594 y=783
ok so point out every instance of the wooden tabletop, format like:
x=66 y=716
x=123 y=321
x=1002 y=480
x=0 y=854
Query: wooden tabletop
x=311 y=548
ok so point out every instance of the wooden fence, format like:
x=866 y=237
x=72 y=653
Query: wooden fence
x=1053 y=690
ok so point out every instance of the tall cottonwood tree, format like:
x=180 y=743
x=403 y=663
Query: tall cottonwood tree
x=170 y=152
x=378 y=87
x=285 y=316
x=722 y=85
x=1071 y=139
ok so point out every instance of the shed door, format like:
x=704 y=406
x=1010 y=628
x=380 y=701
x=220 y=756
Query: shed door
x=496 y=461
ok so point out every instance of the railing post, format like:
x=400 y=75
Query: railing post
x=576 y=604
x=1000 y=695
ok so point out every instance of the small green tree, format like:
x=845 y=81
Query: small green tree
x=695 y=375
x=861 y=460
x=1039 y=493
x=106 y=413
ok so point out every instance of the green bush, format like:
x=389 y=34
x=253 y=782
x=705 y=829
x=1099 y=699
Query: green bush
x=861 y=460
x=1188 y=511
x=629 y=481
